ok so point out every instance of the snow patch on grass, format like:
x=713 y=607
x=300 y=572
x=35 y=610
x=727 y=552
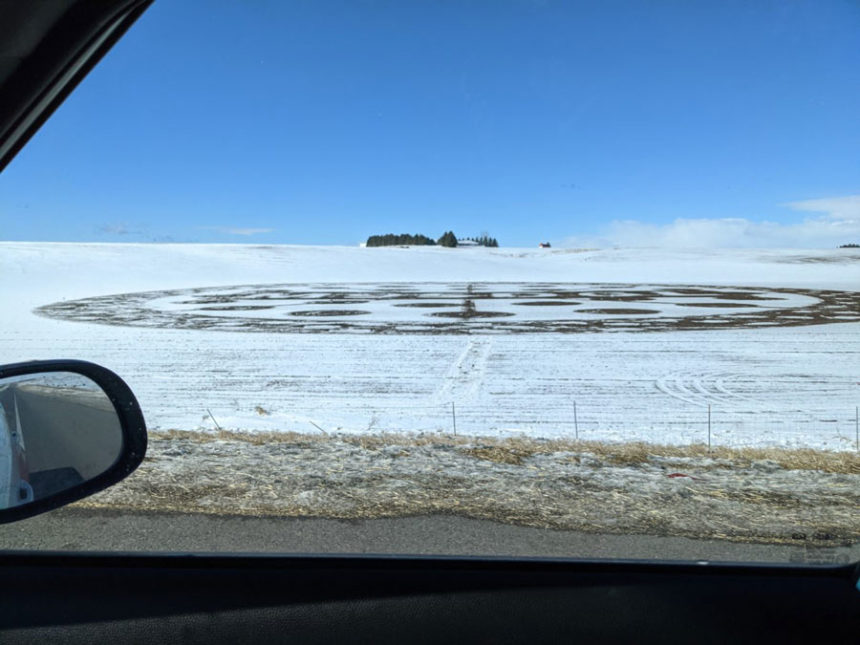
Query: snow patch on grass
x=768 y=496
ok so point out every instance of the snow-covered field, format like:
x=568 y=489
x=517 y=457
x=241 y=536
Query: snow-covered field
x=612 y=344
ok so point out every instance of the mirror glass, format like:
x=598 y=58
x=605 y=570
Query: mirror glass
x=57 y=430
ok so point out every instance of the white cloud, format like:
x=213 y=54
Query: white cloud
x=838 y=208
x=838 y=223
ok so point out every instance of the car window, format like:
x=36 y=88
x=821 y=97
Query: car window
x=512 y=278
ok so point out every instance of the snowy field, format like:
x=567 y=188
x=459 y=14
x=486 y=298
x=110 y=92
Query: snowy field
x=644 y=345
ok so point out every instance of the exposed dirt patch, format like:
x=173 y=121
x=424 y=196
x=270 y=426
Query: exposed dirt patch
x=466 y=315
x=329 y=312
x=715 y=305
x=850 y=257
x=428 y=305
x=237 y=308
x=740 y=295
x=618 y=311
x=547 y=303
x=469 y=311
x=612 y=296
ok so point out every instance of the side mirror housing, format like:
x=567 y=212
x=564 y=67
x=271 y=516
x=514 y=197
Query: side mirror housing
x=68 y=429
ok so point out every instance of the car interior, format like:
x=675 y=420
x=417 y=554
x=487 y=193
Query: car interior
x=46 y=49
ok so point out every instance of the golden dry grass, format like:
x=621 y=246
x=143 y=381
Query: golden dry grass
x=575 y=485
x=514 y=450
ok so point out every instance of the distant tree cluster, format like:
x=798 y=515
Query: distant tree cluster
x=398 y=240
x=849 y=246
x=484 y=240
x=448 y=239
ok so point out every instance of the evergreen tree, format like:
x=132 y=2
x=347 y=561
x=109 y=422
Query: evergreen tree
x=399 y=240
x=484 y=240
x=448 y=239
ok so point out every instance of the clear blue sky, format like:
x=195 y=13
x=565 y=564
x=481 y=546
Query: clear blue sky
x=322 y=122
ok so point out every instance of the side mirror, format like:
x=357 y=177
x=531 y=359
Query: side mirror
x=68 y=429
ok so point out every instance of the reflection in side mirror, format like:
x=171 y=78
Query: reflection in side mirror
x=68 y=429
x=57 y=431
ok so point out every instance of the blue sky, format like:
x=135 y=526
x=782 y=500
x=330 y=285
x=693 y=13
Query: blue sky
x=669 y=123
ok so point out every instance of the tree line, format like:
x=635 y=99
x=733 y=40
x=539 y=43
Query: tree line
x=396 y=240
x=484 y=240
x=448 y=239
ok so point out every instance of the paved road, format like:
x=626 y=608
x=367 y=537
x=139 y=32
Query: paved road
x=63 y=428
x=79 y=529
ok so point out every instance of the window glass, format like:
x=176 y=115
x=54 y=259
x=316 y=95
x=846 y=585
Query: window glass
x=518 y=278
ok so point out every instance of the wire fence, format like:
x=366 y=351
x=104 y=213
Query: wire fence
x=711 y=425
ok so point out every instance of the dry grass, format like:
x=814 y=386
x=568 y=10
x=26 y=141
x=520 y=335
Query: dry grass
x=760 y=495
x=787 y=459
x=499 y=454
x=255 y=438
x=515 y=450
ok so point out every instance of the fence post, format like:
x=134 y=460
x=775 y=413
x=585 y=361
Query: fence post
x=454 y=417
x=213 y=419
x=575 y=422
x=709 y=427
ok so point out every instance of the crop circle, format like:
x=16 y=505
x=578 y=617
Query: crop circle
x=464 y=308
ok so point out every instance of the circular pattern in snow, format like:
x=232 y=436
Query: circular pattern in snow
x=463 y=308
